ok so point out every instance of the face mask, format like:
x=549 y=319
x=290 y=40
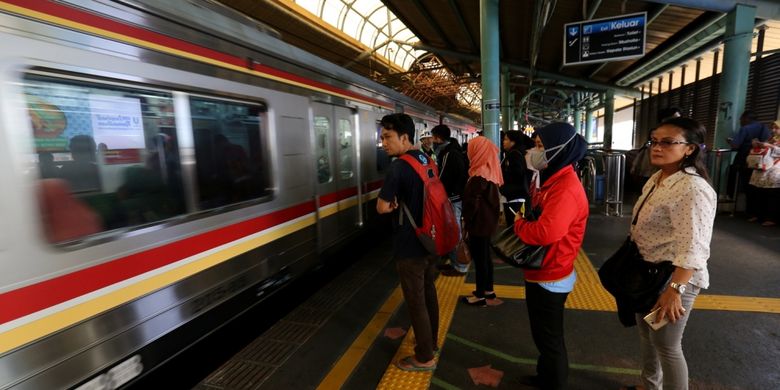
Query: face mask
x=537 y=158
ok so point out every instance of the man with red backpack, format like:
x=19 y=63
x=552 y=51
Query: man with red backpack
x=408 y=197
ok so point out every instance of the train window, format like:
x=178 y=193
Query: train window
x=345 y=149
x=106 y=154
x=229 y=151
x=322 y=144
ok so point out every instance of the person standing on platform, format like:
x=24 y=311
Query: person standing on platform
x=453 y=171
x=675 y=223
x=426 y=144
x=561 y=228
x=481 y=207
x=416 y=267
x=516 y=175
x=764 y=186
x=751 y=129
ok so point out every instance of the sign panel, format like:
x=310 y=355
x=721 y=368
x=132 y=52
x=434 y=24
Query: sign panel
x=609 y=39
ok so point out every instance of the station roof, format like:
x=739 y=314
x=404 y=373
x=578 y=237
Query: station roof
x=430 y=49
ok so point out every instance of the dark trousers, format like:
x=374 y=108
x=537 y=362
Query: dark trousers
x=762 y=203
x=417 y=276
x=545 y=312
x=483 y=264
x=738 y=183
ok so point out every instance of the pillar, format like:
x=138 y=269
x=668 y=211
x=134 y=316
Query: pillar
x=488 y=25
x=506 y=106
x=609 y=115
x=734 y=78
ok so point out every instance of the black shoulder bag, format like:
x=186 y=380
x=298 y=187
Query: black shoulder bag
x=507 y=246
x=634 y=282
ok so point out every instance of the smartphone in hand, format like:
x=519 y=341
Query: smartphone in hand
x=651 y=319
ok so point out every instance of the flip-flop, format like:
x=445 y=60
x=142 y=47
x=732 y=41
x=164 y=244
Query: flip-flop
x=407 y=364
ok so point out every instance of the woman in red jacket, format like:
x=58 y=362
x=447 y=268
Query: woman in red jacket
x=561 y=228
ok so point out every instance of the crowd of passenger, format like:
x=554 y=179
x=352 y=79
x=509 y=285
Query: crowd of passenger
x=533 y=184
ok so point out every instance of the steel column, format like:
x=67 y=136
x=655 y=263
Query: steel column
x=506 y=106
x=588 y=124
x=488 y=25
x=578 y=120
x=609 y=116
x=736 y=66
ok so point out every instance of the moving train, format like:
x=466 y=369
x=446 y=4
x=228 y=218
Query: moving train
x=164 y=173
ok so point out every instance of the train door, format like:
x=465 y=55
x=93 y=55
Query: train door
x=337 y=178
x=348 y=180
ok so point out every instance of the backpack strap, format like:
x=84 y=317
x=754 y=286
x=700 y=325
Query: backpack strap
x=422 y=170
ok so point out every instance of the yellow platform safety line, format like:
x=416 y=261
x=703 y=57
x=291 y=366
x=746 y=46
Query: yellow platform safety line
x=448 y=289
x=588 y=294
x=344 y=367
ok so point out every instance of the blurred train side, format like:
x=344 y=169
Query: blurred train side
x=98 y=309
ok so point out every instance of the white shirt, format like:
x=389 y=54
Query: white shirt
x=676 y=223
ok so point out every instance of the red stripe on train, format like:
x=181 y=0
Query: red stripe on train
x=30 y=299
x=96 y=21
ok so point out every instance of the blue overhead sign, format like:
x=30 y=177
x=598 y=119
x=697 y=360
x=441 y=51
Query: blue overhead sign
x=609 y=39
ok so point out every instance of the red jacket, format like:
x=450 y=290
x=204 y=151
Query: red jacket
x=561 y=225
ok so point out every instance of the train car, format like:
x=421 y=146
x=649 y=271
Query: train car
x=164 y=173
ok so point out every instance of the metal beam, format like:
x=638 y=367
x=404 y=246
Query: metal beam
x=765 y=9
x=462 y=23
x=592 y=8
x=711 y=27
x=623 y=91
x=429 y=19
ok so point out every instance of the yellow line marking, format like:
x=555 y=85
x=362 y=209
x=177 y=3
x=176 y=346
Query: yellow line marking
x=344 y=367
x=588 y=294
x=36 y=329
x=447 y=289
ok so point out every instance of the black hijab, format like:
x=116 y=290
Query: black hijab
x=556 y=134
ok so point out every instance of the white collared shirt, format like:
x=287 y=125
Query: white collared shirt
x=676 y=222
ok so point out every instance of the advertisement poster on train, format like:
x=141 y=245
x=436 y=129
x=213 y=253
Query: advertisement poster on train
x=117 y=121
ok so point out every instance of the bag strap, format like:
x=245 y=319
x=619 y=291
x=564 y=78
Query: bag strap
x=636 y=215
x=408 y=215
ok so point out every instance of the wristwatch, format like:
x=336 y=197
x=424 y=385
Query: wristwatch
x=679 y=287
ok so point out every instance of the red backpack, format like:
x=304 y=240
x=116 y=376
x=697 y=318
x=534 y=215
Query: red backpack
x=439 y=230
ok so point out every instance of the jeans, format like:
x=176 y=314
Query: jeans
x=545 y=312
x=417 y=276
x=483 y=263
x=663 y=363
x=457 y=208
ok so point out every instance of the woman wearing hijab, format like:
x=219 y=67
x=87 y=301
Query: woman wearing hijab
x=480 y=214
x=561 y=228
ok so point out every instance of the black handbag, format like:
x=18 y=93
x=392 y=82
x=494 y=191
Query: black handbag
x=508 y=247
x=634 y=282
x=516 y=253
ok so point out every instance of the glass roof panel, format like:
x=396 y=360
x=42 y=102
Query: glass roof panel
x=351 y=17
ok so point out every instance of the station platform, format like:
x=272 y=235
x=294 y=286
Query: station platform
x=349 y=334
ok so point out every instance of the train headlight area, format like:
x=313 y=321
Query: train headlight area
x=180 y=184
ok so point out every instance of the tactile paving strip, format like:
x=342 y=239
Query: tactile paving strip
x=448 y=290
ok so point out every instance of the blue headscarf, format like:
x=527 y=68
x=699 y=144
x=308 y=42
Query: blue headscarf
x=556 y=134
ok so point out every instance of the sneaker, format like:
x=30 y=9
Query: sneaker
x=474 y=301
x=752 y=219
x=768 y=223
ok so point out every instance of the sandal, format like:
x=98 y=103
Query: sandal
x=410 y=364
